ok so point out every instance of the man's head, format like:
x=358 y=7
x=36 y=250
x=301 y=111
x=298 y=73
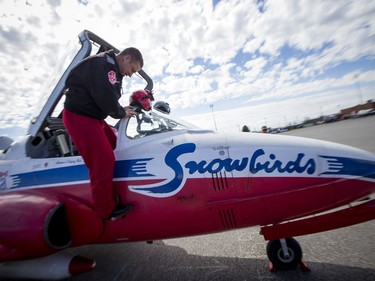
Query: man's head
x=130 y=61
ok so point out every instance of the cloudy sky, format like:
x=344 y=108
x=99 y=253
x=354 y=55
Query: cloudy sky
x=237 y=63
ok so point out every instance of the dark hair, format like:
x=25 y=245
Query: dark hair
x=134 y=53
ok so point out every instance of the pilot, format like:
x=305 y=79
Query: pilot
x=93 y=89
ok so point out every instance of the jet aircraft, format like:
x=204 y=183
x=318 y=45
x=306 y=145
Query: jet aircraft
x=182 y=181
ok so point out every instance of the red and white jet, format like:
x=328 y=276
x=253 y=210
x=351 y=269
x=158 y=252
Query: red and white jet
x=182 y=181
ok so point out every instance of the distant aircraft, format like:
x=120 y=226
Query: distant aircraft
x=182 y=181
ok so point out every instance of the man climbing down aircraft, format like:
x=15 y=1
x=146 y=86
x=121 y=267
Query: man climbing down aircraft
x=93 y=90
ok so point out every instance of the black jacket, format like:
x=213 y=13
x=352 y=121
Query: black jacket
x=94 y=87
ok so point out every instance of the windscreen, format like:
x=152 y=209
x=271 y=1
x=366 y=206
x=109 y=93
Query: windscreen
x=71 y=50
x=151 y=123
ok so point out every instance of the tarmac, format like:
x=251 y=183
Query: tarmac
x=345 y=254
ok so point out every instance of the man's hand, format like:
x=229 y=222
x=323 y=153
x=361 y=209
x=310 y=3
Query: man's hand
x=129 y=111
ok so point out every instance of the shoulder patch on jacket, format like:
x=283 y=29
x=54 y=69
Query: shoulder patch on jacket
x=112 y=77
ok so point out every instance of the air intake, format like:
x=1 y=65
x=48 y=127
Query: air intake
x=220 y=181
x=228 y=219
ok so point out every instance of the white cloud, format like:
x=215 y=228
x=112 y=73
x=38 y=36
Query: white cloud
x=269 y=61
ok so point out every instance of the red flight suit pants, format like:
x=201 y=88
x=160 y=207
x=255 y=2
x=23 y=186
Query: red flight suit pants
x=95 y=141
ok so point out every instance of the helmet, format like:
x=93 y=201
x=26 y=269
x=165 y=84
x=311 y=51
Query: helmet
x=141 y=99
x=162 y=107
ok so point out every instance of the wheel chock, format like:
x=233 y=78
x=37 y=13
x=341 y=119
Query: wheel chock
x=304 y=267
x=271 y=268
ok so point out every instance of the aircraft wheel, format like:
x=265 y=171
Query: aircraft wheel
x=279 y=260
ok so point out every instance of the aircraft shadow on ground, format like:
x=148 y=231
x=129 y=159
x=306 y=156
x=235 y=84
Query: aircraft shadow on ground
x=158 y=261
x=140 y=261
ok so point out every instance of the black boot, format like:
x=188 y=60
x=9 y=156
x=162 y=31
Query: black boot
x=120 y=211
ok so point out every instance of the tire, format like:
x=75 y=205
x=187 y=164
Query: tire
x=276 y=256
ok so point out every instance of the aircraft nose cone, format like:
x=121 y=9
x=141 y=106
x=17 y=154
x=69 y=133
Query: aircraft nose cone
x=351 y=169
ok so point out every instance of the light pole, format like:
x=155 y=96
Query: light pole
x=359 y=89
x=213 y=115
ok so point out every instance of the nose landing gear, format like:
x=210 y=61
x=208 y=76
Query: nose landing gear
x=285 y=254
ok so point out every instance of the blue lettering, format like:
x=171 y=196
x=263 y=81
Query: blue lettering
x=238 y=165
x=276 y=165
x=215 y=166
x=196 y=167
x=258 y=162
x=256 y=165
x=172 y=162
